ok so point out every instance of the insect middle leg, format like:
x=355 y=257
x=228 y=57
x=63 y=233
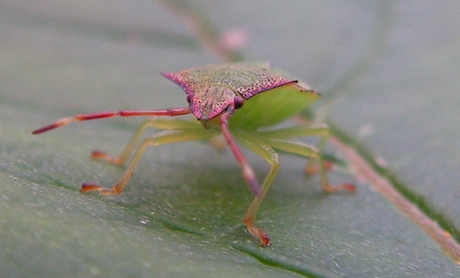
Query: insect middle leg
x=160 y=138
x=267 y=153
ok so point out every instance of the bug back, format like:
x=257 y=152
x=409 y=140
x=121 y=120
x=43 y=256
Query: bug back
x=245 y=79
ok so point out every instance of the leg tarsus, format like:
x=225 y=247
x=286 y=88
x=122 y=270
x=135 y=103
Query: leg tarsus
x=328 y=165
x=103 y=156
x=258 y=233
x=311 y=169
x=350 y=187
x=88 y=187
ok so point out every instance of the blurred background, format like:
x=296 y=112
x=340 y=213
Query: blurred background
x=388 y=72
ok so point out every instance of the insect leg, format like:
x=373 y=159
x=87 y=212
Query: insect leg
x=302 y=131
x=118 y=160
x=160 y=138
x=123 y=113
x=248 y=172
x=267 y=153
x=155 y=123
x=308 y=151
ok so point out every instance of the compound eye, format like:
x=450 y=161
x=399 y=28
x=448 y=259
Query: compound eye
x=238 y=102
x=189 y=98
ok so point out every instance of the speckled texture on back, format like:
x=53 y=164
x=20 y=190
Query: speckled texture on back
x=243 y=78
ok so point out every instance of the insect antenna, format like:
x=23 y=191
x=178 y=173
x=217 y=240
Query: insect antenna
x=122 y=113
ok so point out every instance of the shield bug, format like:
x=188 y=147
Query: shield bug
x=238 y=100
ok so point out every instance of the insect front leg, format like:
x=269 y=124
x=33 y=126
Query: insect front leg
x=160 y=138
x=248 y=172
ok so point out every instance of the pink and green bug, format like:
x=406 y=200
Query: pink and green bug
x=241 y=101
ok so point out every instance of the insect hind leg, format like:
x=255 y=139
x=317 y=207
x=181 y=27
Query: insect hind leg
x=308 y=151
x=278 y=139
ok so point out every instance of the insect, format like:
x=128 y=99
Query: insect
x=240 y=101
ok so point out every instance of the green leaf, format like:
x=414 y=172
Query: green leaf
x=388 y=72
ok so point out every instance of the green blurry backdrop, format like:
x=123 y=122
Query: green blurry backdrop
x=388 y=71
